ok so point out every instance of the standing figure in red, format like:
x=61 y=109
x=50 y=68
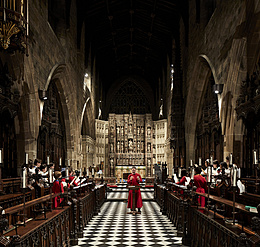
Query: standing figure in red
x=57 y=188
x=201 y=184
x=134 y=179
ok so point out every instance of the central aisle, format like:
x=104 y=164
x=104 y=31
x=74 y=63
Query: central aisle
x=113 y=227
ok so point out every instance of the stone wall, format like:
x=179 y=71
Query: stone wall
x=50 y=57
x=218 y=46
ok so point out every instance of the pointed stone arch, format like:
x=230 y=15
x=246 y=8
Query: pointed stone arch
x=59 y=76
x=203 y=69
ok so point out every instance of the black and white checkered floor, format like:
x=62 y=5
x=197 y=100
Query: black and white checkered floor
x=121 y=193
x=114 y=227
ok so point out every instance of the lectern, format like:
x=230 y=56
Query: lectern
x=133 y=188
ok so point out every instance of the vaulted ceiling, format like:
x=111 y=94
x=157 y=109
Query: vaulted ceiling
x=131 y=37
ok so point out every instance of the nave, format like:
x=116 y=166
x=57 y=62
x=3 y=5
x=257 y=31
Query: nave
x=114 y=227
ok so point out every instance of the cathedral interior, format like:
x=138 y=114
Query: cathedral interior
x=90 y=89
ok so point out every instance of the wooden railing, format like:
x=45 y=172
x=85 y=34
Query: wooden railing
x=57 y=227
x=201 y=227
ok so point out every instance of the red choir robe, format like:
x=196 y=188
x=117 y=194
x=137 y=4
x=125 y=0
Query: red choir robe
x=138 y=197
x=201 y=184
x=70 y=180
x=182 y=181
x=57 y=188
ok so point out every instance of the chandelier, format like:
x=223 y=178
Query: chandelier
x=14 y=25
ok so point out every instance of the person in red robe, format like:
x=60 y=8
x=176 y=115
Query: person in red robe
x=57 y=188
x=72 y=178
x=133 y=180
x=201 y=184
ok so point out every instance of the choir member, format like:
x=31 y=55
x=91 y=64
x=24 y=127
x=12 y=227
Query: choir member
x=72 y=178
x=57 y=188
x=185 y=180
x=224 y=168
x=204 y=170
x=201 y=184
x=134 y=179
x=215 y=169
x=44 y=174
x=227 y=162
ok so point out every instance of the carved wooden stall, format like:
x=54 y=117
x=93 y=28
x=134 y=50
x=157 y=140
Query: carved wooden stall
x=52 y=139
x=208 y=130
x=248 y=105
x=9 y=108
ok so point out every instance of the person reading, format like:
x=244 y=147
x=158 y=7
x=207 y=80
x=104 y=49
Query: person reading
x=133 y=180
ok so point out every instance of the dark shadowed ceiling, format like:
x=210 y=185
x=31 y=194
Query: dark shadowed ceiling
x=131 y=37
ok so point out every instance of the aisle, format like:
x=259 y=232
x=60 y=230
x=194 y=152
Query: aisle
x=113 y=227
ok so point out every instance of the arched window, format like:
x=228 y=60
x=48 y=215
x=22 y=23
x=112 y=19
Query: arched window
x=130 y=98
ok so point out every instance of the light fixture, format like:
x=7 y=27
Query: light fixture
x=218 y=88
x=42 y=95
x=86 y=75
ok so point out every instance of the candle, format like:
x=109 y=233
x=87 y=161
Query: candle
x=24 y=177
x=211 y=160
x=27 y=18
x=179 y=172
x=67 y=172
x=172 y=171
x=199 y=161
x=191 y=164
x=80 y=172
x=93 y=170
x=192 y=173
x=68 y=163
x=238 y=173
x=60 y=161
x=48 y=160
x=50 y=175
x=209 y=175
x=255 y=159
x=231 y=159
x=1 y=157
x=234 y=180
x=26 y=158
x=87 y=172
x=4 y=11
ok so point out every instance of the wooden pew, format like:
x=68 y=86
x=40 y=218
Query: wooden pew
x=201 y=227
x=61 y=226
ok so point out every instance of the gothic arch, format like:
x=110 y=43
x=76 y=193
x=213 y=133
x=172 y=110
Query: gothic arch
x=202 y=70
x=87 y=119
x=59 y=76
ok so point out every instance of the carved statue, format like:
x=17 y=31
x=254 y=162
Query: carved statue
x=149 y=147
x=122 y=147
x=118 y=147
x=130 y=144
x=149 y=132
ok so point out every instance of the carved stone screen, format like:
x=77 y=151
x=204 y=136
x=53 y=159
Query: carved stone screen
x=130 y=143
